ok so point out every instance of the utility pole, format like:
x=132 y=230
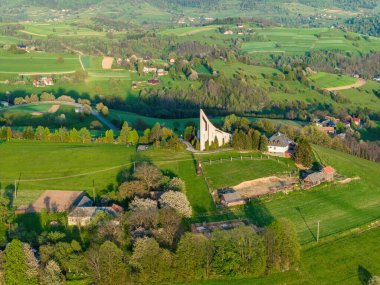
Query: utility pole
x=15 y=188
x=93 y=191
x=318 y=232
x=134 y=166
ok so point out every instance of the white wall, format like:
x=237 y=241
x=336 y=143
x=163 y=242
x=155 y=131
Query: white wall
x=208 y=132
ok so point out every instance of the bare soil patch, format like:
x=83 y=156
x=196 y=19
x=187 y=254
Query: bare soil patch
x=358 y=84
x=36 y=114
x=107 y=62
x=53 y=109
x=264 y=186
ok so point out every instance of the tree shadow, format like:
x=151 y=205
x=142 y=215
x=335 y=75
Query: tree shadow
x=258 y=213
x=364 y=275
x=298 y=209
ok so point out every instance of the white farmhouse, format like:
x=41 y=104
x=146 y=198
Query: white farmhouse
x=280 y=145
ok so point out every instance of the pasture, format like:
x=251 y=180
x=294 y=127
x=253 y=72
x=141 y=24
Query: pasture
x=329 y=80
x=299 y=40
x=37 y=62
x=338 y=207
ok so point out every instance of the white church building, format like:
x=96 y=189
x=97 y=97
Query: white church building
x=208 y=132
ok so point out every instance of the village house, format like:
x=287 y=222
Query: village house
x=153 y=81
x=162 y=72
x=316 y=178
x=82 y=216
x=172 y=61
x=149 y=69
x=356 y=121
x=280 y=145
x=228 y=32
x=42 y=82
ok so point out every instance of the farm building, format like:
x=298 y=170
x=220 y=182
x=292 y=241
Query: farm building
x=149 y=69
x=162 y=72
x=82 y=216
x=153 y=81
x=44 y=81
x=356 y=121
x=208 y=228
x=280 y=145
x=316 y=178
x=54 y=201
x=232 y=199
x=228 y=32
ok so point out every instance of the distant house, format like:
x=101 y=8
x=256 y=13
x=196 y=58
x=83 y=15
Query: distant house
x=153 y=81
x=119 y=61
x=162 y=72
x=232 y=199
x=4 y=103
x=142 y=147
x=134 y=85
x=280 y=145
x=21 y=46
x=82 y=216
x=356 y=121
x=172 y=61
x=228 y=32
x=328 y=130
x=207 y=228
x=149 y=69
x=44 y=81
x=316 y=178
x=377 y=78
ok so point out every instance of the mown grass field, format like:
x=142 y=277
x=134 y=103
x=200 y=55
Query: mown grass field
x=328 y=80
x=350 y=260
x=36 y=62
x=364 y=96
x=339 y=207
x=299 y=40
x=244 y=170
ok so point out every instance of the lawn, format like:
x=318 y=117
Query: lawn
x=328 y=80
x=37 y=62
x=350 y=260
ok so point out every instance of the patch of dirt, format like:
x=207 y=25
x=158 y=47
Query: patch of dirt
x=348 y=180
x=36 y=114
x=53 y=109
x=107 y=62
x=263 y=186
x=358 y=84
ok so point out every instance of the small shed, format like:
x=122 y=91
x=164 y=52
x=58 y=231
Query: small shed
x=232 y=199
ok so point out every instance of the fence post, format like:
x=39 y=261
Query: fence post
x=251 y=156
x=241 y=157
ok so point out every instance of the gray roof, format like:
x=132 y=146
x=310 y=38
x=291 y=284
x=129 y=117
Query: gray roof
x=85 y=202
x=279 y=139
x=232 y=197
x=91 y=211
x=315 y=177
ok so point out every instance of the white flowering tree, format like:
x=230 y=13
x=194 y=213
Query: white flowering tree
x=178 y=201
x=142 y=204
x=177 y=184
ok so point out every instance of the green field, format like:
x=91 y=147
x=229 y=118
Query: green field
x=37 y=115
x=328 y=80
x=36 y=62
x=187 y=31
x=339 y=207
x=299 y=40
x=243 y=170
x=350 y=260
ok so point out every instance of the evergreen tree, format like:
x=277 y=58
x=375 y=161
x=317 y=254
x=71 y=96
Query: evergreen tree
x=303 y=153
x=256 y=140
x=263 y=143
x=122 y=139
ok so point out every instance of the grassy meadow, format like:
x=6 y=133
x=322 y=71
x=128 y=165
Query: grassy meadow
x=299 y=40
x=37 y=62
x=339 y=207
x=328 y=80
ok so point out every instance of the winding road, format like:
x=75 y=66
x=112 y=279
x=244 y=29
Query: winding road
x=358 y=84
